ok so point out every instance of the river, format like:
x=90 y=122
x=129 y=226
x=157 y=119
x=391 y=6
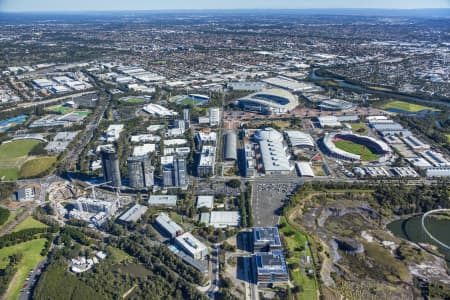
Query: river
x=410 y=229
x=345 y=84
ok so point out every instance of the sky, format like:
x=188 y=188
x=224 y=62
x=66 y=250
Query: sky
x=108 y=5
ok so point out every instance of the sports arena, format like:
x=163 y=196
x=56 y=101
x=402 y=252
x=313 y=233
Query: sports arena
x=353 y=147
x=271 y=101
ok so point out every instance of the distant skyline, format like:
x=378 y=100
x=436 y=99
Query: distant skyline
x=116 y=5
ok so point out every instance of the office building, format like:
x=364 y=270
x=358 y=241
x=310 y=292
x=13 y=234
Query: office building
x=191 y=246
x=169 y=227
x=162 y=200
x=266 y=239
x=214 y=116
x=180 y=172
x=270 y=267
x=140 y=171
x=110 y=164
x=206 y=162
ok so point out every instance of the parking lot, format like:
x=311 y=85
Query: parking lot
x=268 y=199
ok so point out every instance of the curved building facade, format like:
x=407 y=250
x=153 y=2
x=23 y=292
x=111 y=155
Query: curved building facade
x=271 y=101
x=376 y=146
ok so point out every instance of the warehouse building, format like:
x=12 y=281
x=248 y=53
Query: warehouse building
x=169 y=227
x=336 y=105
x=273 y=151
x=249 y=86
x=191 y=246
x=300 y=139
x=230 y=151
x=270 y=267
x=266 y=239
x=221 y=219
x=133 y=214
x=304 y=169
x=205 y=201
x=438 y=172
x=329 y=121
x=162 y=200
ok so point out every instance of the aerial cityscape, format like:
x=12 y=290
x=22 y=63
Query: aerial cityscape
x=224 y=151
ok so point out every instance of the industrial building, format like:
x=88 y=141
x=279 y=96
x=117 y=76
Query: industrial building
x=272 y=101
x=206 y=162
x=329 y=121
x=140 y=171
x=414 y=143
x=299 y=139
x=270 y=267
x=248 y=164
x=266 y=239
x=205 y=201
x=96 y=206
x=249 y=86
x=289 y=84
x=221 y=219
x=273 y=151
x=191 y=245
x=230 y=150
x=158 y=110
x=110 y=164
x=438 y=172
x=335 y=105
x=168 y=226
x=436 y=159
x=133 y=214
x=304 y=169
x=162 y=200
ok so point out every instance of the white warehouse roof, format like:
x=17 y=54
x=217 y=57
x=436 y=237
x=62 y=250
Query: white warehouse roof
x=299 y=139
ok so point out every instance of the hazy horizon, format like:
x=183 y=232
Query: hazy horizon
x=138 y=5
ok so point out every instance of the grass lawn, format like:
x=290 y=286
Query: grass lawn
x=16 y=149
x=31 y=257
x=9 y=174
x=12 y=215
x=118 y=255
x=28 y=223
x=406 y=106
x=359 y=128
x=82 y=113
x=318 y=170
x=133 y=100
x=60 y=109
x=187 y=101
x=36 y=166
x=448 y=138
x=355 y=148
x=296 y=241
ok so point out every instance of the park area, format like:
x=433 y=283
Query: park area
x=358 y=149
x=298 y=249
x=405 y=107
x=14 y=162
x=60 y=109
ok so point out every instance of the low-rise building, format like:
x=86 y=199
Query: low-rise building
x=162 y=200
x=191 y=245
x=221 y=219
x=168 y=226
x=133 y=214
x=304 y=169
x=205 y=201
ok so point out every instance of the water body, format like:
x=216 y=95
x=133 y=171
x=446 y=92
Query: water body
x=344 y=84
x=410 y=229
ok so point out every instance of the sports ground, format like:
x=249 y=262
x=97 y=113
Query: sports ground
x=358 y=149
x=405 y=107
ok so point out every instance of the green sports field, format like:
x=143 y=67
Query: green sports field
x=357 y=149
x=37 y=166
x=133 y=100
x=60 y=109
x=189 y=101
x=30 y=258
x=405 y=106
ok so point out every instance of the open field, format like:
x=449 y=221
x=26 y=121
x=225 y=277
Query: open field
x=405 y=106
x=359 y=128
x=60 y=109
x=132 y=100
x=297 y=244
x=16 y=149
x=12 y=215
x=28 y=223
x=9 y=174
x=448 y=138
x=37 y=166
x=31 y=257
x=358 y=149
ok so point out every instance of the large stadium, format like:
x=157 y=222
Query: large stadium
x=271 y=101
x=353 y=147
